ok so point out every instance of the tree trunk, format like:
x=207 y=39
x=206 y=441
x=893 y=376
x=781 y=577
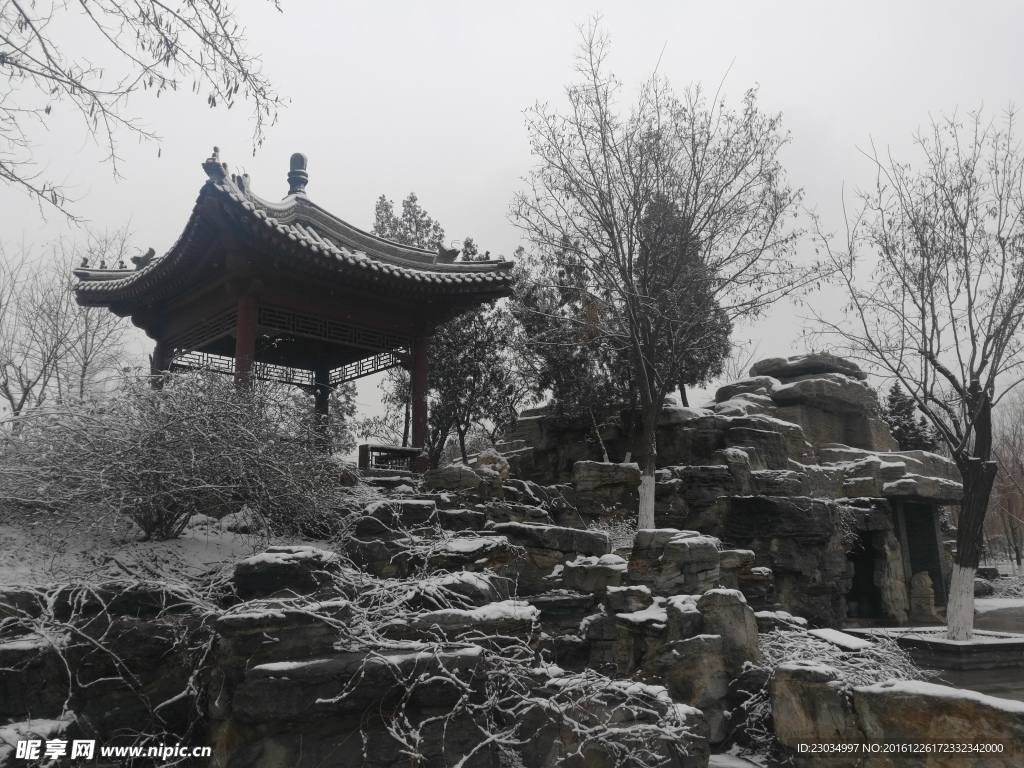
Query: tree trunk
x=597 y=434
x=683 y=400
x=978 y=477
x=650 y=449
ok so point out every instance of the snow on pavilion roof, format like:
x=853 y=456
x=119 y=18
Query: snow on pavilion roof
x=298 y=229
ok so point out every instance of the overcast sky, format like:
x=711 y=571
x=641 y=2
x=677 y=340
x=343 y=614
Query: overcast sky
x=388 y=98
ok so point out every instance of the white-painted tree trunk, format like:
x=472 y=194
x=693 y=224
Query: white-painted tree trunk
x=960 y=606
x=646 y=519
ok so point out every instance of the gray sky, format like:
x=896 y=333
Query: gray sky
x=388 y=98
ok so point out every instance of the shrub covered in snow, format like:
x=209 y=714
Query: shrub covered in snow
x=159 y=456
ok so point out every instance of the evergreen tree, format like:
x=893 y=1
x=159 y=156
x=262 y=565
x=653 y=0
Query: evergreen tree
x=909 y=428
x=470 y=378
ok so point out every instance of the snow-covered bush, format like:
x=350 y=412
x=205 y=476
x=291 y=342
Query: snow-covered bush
x=621 y=531
x=159 y=456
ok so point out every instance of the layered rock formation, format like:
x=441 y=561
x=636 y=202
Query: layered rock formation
x=794 y=463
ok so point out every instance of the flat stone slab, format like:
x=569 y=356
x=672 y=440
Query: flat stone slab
x=842 y=639
x=930 y=648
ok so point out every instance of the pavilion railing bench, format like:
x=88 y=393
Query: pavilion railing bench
x=381 y=456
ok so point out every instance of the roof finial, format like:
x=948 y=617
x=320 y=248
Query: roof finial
x=213 y=167
x=297 y=176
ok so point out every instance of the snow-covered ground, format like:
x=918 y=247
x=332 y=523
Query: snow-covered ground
x=31 y=555
x=986 y=604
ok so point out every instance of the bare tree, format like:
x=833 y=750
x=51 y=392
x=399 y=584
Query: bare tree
x=49 y=62
x=742 y=355
x=1006 y=507
x=34 y=337
x=50 y=347
x=672 y=220
x=942 y=307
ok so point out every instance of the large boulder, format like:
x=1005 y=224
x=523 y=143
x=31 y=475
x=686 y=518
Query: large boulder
x=457 y=477
x=283 y=570
x=497 y=622
x=684 y=619
x=332 y=710
x=814 y=363
x=766 y=448
x=544 y=548
x=492 y=460
x=33 y=678
x=830 y=392
x=914 y=711
x=694 y=671
x=601 y=485
x=556 y=538
x=672 y=562
x=801 y=541
x=276 y=631
x=812 y=703
x=809 y=705
x=593 y=574
x=756 y=385
x=726 y=613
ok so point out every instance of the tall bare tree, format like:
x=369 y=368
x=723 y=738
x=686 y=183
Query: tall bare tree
x=86 y=59
x=673 y=219
x=934 y=270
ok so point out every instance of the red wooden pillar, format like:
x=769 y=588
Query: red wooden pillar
x=245 y=340
x=322 y=406
x=419 y=398
x=158 y=365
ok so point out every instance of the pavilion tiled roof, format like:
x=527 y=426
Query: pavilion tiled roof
x=297 y=229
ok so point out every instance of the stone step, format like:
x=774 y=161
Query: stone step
x=393 y=482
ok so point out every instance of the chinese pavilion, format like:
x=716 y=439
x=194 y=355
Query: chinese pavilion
x=289 y=292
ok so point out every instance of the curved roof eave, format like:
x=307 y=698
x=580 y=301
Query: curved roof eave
x=299 y=226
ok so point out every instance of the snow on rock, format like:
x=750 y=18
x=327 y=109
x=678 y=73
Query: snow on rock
x=842 y=639
x=654 y=616
x=935 y=488
x=556 y=538
x=297 y=570
x=916 y=711
x=593 y=574
x=812 y=363
x=734 y=594
x=404 y=504
x=612 y=562
x=769 y=621
x=492 y=460
x=920 y=688
x=506 y=618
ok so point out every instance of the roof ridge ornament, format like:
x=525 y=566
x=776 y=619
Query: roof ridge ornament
x=297 y=176
x=143 y=260
x=214 y=168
